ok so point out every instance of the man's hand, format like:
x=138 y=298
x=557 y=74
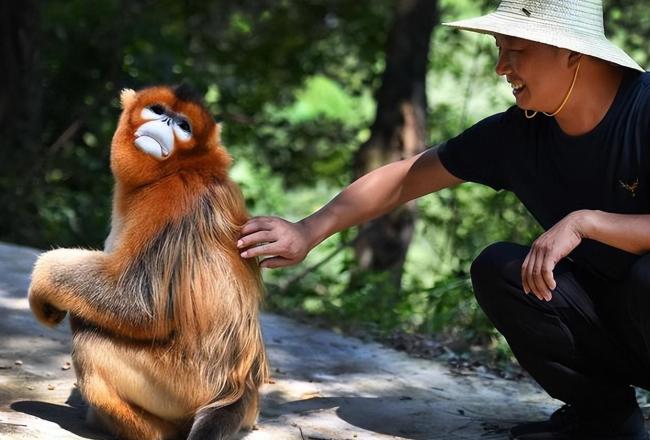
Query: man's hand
x=284 y=242
x=547 y=251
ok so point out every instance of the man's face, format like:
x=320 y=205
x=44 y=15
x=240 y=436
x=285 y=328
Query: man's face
x=539 y=73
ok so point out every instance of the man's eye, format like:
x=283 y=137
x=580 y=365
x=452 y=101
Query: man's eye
x=157 y=109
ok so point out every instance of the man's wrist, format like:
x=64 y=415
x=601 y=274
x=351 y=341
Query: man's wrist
x=310 y=227
x=586 y=222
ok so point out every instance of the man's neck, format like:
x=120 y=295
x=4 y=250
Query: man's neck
x=593 y=95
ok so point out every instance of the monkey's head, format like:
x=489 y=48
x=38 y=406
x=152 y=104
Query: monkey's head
x=162 y=131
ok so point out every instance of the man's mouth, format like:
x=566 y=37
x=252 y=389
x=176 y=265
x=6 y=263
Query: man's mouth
x=517 y=87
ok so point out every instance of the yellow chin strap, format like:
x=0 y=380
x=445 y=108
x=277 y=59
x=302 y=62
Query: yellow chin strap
x=566 y=98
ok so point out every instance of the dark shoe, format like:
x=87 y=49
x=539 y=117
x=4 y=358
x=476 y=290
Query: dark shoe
x=567 y=424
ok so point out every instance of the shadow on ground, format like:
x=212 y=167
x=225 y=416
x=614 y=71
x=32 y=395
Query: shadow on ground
x=69 y=417
x=325 y=386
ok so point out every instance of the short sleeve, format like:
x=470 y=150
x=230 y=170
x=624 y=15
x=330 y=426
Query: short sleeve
x=481 y=153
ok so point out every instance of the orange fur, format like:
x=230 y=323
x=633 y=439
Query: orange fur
x=165 y=319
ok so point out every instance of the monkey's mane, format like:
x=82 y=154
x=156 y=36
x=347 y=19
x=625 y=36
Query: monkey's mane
x=190 y=279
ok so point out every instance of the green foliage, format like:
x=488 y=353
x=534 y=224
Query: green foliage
x=454 y=225
x=250 y=58
x=293 y=83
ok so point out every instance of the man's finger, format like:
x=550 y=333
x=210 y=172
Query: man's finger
x=262 y=250
x=547 y=274
x=256 y=224
x=275 y=262
x=256 y=238
x=538 y=277
x=527 y=272
x=530 y=274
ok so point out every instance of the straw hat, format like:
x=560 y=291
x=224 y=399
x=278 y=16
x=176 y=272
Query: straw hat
x=576 y=25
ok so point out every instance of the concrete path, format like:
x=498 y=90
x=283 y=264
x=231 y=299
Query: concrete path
x=326 y=386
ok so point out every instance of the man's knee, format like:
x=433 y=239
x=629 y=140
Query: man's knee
x=639 y=276
x=637 y=286
x=494 y=272
x=498 y=264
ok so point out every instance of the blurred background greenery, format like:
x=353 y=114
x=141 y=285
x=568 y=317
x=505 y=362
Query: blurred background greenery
x=305 y=90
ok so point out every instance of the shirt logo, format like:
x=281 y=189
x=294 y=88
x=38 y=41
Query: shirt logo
x=632 y=187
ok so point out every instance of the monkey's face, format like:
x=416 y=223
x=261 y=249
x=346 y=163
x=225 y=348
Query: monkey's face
x=162 y=131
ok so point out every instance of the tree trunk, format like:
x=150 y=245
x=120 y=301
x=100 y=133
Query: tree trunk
x=20 y=107
x=399 y=131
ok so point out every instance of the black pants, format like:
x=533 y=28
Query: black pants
x=588 y=344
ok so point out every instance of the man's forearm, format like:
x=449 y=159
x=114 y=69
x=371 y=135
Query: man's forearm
x=629 y=232
x=379 y=192
x=364 y=199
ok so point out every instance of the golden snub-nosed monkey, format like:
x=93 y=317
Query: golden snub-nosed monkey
x=166 y=336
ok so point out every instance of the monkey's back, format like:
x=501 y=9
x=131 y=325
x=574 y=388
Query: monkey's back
x=189 y=279
x=165 y=319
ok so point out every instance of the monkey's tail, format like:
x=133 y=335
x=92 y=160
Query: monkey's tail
x=219 y=423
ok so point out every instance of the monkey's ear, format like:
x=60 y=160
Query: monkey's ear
x=127 y=96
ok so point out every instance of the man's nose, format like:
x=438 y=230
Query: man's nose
x=503 y=66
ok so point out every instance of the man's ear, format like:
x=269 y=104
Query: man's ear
x=574 y=59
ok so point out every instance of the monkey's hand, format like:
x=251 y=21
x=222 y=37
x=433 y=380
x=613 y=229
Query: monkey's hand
x=46 y=313
x=54 y=284
x=85 y=283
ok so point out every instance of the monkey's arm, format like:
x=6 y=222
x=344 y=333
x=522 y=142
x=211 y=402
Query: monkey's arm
x=80 y=281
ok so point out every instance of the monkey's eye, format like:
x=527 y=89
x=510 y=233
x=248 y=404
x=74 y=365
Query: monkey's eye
x=184 y=125
x=157 y=109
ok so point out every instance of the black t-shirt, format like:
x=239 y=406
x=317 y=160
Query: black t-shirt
x=554 y=174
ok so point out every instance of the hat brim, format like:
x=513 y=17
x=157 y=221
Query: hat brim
x=589 y=44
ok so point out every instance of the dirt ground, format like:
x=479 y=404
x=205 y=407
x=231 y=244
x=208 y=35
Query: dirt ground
x=326 y=386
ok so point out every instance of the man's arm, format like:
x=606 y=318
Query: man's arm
x=369 y=197
x=629 y=232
